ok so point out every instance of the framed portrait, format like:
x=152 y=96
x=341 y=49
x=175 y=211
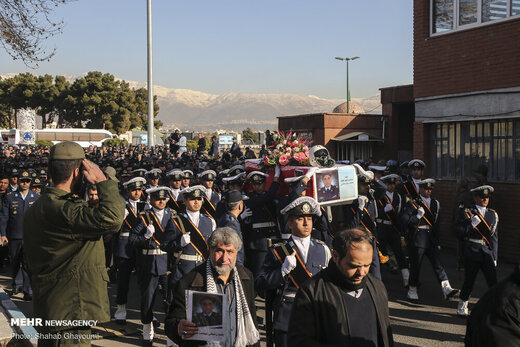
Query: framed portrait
x=205 y=310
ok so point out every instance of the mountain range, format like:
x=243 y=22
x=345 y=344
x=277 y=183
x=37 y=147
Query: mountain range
x=196 y=110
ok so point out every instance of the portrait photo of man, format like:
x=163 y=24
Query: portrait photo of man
x=210 y=314
x=327 y=183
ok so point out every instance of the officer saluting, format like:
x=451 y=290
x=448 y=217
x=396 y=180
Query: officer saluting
x=14 y=206
x=290 y=263
x=124 y=252
x=477 y=226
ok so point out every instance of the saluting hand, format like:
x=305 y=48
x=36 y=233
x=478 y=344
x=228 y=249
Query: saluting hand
x=92 y=172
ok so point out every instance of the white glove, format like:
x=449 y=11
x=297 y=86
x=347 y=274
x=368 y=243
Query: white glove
x=475 y=221
x=289 y=264
x=388 y=208
x=420 y=212
x=246 y=213
x=276 y=171
x=126 y=213
x=311 y=172
x=362 y=171
x=150 y=230
x=495 y=262
x=185 y=239
x=362 y=200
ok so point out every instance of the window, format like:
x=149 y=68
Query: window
x=461 y=147
x=469 y=13
x=46 y=136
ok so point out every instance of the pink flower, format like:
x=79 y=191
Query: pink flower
x=299 y=157
x=284 y=159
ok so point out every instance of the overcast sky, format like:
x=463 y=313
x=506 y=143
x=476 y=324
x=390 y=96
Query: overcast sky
x=248 y=46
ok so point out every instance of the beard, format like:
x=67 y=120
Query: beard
x=223 y=269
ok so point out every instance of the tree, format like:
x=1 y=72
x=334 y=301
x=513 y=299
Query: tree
x=249 y=134
x=25 y=25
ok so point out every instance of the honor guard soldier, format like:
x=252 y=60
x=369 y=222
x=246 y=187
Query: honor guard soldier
x=290 y=263
x=13 y=180
x=420 y=218
x=362 y=214
x=36 y=186
x=191 y=249
x=234 y=201
x=124 y=252
x=14 y=206
x=187 y=175
x=477 y=226
x=389 y=224
x=175 y=179
x=409 y=189
x=211 y=198
x=153 y=237
x=264 y=227
x=153 y=176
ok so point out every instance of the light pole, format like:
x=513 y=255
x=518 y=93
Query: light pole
x=348 y=90
x=150 y=80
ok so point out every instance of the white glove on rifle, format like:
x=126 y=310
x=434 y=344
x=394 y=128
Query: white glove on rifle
x=276 y=171
x=475 y=220
x=289 y=264
x=185 y=239
x=246 y=213
x=150 y=230
x=388 y=208
x=420 y=212
x=126 y=213
x=362 y=201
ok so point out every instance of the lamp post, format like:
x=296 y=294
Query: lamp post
x=150 y=80
x=348 y=90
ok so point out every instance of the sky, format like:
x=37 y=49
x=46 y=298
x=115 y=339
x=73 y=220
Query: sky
x=246 y=46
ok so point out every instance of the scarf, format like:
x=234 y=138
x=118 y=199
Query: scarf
x=247 y=334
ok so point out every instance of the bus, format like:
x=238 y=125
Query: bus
x=84 y=137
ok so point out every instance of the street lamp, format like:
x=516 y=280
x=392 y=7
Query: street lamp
x=348 y=90
x=150 y=80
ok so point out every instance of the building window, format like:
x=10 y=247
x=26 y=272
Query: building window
x=469 y=13
x=459 y=148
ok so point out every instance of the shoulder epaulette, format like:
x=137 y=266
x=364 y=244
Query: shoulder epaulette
x=319 y=241
x=279 y=244
x=490 y=209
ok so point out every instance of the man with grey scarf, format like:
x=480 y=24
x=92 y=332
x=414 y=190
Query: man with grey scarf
x=219 y=274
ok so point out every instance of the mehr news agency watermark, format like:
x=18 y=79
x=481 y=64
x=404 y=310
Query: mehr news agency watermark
x=68 y=324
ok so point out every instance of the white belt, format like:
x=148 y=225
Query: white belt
x=124 y=234
x=263 y=225
x=386 y=222
x=156 y=251
x=479 y=241
x=424 y=227
x=189 y=257
x=289 y=294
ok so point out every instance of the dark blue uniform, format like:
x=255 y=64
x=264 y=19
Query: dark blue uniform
x=478 y=254
x=153 y=260
x=270 y=278
x=125 y=253
x=11 y=219
x=423 y=238
x=229 y=220
x=263 y=227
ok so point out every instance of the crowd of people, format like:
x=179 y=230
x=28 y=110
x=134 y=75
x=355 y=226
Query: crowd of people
x=195 y=221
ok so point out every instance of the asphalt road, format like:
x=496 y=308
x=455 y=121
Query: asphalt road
x=431 y=322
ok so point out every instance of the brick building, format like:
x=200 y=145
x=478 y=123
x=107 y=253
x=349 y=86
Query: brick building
x=467 y=102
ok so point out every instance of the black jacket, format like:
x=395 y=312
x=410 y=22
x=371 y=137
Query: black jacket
x=319 y=302
x=494 y=319
x=196 y=280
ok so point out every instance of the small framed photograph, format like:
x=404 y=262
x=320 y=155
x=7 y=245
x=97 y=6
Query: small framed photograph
x=205 y=310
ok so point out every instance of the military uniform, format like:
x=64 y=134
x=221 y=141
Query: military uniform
x=14 y=207
x=64 y=249
x=311 y=257
x=328 y=193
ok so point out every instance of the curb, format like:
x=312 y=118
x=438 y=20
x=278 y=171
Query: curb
x=12 y=311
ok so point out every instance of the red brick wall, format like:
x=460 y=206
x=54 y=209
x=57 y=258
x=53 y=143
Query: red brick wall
x=506 y=196
x=482 y=58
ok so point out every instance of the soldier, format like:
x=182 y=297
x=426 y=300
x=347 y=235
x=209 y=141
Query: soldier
x=153 y=176
x=36 y=186
x=124 y=252
x=420 y=218
x=14 y=205
x=62 y=235
x=290 y=263
x=389 y=225
x=328 y=191
x=234 y=201
x=13 y=180
x=153 y=237
x=175 y=179
x=409 y=189
x=187 y=175
x=362 y=213
x=264 y=226
x=208 y=316
x=477 y=226
x=211 y=198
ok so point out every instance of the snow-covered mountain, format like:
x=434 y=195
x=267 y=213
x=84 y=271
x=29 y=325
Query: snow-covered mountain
x=196 y=110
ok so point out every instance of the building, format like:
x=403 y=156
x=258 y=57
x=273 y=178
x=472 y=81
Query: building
x=467 y=102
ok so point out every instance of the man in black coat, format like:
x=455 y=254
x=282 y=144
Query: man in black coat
x=219 y=274
x=346 y=295
x=494 y=319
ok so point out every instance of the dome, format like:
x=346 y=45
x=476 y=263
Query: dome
x=354 y=108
